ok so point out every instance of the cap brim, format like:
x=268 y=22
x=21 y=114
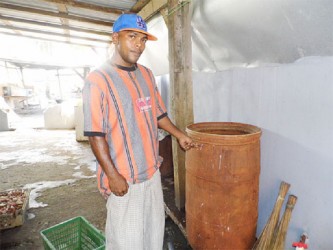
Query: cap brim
x=149 y=36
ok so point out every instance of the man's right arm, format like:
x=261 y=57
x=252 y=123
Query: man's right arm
x=100 y=148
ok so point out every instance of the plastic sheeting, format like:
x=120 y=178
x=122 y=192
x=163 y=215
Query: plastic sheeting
x=238 y=33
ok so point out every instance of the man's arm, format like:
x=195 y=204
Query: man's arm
x=100 y=148
x=184 y=141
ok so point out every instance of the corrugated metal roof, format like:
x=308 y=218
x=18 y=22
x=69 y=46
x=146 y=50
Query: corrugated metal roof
x=84 y=22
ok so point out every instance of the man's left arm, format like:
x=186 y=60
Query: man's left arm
x=184 y=141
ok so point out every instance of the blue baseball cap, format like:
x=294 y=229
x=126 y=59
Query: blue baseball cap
x=132 y=22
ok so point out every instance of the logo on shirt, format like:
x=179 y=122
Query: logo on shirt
x=143 y=104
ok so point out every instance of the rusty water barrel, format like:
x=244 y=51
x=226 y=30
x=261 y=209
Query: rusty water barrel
x=222 y=185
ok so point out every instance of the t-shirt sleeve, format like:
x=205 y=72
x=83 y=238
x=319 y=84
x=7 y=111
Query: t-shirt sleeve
x=161 y=110
x=94 y=106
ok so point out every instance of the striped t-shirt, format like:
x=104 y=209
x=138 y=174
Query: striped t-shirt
x=123 y=105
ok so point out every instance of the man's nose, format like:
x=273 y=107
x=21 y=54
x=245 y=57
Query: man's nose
x=138 y=43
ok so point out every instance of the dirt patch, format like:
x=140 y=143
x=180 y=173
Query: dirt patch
x=63 y=203
x=59 y=171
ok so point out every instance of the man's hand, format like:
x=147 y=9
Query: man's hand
x=118 y=184
x=186 y=142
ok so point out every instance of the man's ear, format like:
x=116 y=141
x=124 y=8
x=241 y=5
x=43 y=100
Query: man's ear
x=115 y=37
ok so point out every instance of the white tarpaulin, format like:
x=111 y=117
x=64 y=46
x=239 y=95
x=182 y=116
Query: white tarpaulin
x=238 y=33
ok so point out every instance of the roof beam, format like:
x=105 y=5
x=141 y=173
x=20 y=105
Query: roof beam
x=139 y=5
x=7 y=23
x=88 y=6
x=31 y=64
x=150 y=9
x=58 y=26
x=102 y=45
x=14 y=28
x=54 y=14
x=63 y=9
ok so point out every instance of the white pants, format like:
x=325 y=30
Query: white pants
x=136 y=220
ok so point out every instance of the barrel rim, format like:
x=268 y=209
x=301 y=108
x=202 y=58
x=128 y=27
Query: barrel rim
x=253 y=132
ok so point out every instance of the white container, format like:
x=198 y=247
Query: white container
x=79 y=121
x=3 y=121
x=60 y=116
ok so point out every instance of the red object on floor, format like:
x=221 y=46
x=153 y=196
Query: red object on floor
x=300 y=244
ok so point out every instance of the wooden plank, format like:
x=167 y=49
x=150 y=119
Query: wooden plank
x=180 y=61
x=177 y=215
x=152 y=8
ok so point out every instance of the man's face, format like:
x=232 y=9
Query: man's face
x=129 y=46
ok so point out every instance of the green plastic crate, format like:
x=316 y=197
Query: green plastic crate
x=74 y=234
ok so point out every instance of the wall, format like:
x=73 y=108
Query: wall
x=293 y=104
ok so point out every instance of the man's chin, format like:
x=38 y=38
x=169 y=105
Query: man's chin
x=135 y=58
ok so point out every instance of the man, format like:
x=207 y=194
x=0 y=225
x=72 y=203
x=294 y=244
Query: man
x=122 y=112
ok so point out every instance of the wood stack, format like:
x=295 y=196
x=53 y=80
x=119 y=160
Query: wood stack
x=274 y=233
x=281 y=232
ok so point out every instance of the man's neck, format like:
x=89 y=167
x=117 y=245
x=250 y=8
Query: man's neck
x=118 y=60
x=131 y=68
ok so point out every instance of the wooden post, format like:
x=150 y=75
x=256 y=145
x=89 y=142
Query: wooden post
x=22 y=77
x=59 y=85
x=180 y=62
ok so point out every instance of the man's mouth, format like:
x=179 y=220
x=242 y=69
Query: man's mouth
x=137 y=53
